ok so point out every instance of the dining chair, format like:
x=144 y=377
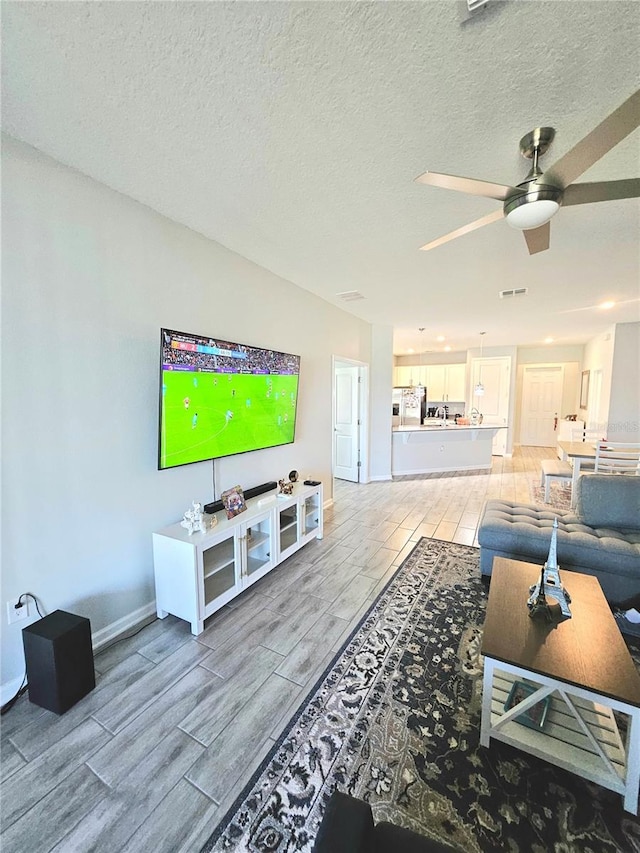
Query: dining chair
x=589 y=436
x=615 y=457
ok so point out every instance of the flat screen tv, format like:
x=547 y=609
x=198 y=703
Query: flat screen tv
x=218 y=398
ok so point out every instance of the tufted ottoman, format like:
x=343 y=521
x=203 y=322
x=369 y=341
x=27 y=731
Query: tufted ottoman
x=600 y=537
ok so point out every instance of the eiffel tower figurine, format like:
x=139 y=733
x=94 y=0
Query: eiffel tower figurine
x=549 y=585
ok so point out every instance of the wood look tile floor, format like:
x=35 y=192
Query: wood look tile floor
x=152 y=758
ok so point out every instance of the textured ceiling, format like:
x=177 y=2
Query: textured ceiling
x=292 y=133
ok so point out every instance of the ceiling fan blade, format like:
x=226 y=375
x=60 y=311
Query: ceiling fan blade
x=467 y=185
x=459 y=232
x=596 y=144
x=601 y=191
x=537 y=239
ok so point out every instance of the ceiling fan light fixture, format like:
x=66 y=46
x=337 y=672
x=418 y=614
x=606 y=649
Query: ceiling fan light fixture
x=532 y=209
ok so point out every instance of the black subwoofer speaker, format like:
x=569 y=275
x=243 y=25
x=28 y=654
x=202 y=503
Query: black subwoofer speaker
x=59 y=659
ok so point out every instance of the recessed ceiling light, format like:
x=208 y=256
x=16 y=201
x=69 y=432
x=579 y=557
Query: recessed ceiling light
x=440 y=338
x=349 y=295
x=607 y=305
x=410 y=350
x=548 y=340
x=447 y=349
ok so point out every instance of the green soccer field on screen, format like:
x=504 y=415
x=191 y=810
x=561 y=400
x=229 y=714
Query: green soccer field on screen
x=207 y=415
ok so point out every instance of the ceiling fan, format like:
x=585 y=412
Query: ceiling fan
x=530 y=205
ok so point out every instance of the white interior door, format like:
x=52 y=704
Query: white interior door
x=495 y=375
x=346 y=429
x=541 y=401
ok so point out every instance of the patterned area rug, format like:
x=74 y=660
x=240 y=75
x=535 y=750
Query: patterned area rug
x=559 y=494
x=395 y=721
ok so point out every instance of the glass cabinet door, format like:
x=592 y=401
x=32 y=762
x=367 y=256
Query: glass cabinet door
x=311 y=514
x=220 y=571
x=260 y=556
x=288 y=527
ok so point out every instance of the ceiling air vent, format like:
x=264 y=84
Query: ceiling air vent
x=350 y=295
x=472 y=5
x=517 y=291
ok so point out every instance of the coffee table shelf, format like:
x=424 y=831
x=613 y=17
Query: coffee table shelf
x=592 y=748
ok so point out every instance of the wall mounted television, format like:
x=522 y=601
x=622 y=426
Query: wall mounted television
x=219 y=398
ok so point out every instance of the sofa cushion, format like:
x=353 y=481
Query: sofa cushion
x=396 y=839
x=609 y=500
x=347 y=826
x=525 y=530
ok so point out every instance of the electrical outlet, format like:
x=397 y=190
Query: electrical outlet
x=17 y=615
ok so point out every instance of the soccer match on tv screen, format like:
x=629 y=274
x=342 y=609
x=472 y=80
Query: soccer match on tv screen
x=219 y=398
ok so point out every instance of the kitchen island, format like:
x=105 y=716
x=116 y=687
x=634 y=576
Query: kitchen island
x=442 y=447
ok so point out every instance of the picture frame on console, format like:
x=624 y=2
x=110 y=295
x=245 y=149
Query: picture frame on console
x=233 y=501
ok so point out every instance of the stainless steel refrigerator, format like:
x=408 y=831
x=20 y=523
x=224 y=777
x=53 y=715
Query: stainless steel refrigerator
x=409 y=406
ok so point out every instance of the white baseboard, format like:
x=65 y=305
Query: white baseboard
x=112 y=632
x=99 y=640
x=9 y=689
x=447 y=470
x=380 y=477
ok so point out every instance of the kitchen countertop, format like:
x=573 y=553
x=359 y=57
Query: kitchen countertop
x=449 y=426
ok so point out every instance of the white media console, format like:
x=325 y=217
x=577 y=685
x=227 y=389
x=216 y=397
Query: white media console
x=198 y=574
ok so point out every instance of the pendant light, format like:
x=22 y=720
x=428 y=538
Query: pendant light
x=420 y=382
x=479 y=389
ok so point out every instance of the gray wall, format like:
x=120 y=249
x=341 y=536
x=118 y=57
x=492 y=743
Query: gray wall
x=624 y=402
x=89 y=277
x=381 y=381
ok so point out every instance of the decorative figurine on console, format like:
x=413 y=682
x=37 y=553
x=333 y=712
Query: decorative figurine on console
x=193 y=519
x=285 y=488
x=549 y=585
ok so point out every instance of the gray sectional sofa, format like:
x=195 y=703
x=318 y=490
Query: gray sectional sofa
x=600 y=537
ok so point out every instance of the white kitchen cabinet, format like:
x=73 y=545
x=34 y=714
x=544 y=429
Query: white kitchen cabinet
x=435 y=381
x=403 y=376
x=197 y=575
x=455 y=382
x=446 y=383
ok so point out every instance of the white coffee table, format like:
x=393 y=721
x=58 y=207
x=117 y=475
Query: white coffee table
x=582 y=665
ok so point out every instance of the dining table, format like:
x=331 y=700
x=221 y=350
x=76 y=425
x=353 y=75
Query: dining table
x=578 y=452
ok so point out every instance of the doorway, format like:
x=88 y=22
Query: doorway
x=541 y=401
x=494 y=374
x=350 y=420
